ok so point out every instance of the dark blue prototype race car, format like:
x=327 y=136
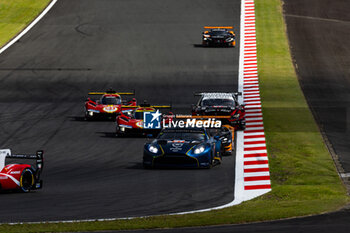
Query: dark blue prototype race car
x=183 y=148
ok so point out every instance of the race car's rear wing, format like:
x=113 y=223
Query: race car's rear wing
x=111 y=92
x=216 y=92
x=229 y=28
x=39 y=157
x=147 y=105
x=218 y=27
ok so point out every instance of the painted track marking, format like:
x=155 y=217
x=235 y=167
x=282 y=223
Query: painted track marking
x=32 y=24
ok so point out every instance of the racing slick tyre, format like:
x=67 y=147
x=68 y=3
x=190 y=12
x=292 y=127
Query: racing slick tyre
x=219 y=158
x=228 y=153
x=26 y=180
x=242 y=127
x=215 y=162
x=117 y=131
x=147 y=166
x=210 y=165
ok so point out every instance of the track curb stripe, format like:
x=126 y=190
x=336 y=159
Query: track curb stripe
x=254 y=144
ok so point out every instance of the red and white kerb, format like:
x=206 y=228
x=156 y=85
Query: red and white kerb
x=255 y=160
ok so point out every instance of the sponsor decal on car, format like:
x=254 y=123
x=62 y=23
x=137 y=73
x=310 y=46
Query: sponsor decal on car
x=110 y=108
x=15 y=172
x=139 y=124
x=176 y=147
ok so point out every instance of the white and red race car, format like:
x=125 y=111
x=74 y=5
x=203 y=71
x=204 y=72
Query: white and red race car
x=18 y=176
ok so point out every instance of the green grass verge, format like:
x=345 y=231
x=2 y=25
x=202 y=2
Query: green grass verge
x=304 y=178
x=16 y=14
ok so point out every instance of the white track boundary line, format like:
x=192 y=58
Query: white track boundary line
x=32 y=24
x=240 y=194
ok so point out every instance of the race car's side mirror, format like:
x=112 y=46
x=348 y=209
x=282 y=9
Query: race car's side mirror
x=40 y=159
x=236 y=94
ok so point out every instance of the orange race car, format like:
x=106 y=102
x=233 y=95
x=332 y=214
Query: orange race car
x=227 y=137
x=219 y=36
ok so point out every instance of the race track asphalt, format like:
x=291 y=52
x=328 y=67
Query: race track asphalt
x=319 y=35
x=82 y=45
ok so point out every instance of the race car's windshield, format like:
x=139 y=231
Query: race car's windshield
x=218 y=33
x=218 y=102
x=217 y=131
x=139 y=115
x=110 y=100
x=182 y=135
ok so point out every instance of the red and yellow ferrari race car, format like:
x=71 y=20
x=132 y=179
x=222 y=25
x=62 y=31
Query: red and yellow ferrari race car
x=132 y=121
x=219 y=36
x=17 y=176
x=109 y=105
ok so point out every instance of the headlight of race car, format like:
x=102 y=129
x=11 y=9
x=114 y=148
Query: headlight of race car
x=199 y=149
x=229 y=39
x=225 y=140
x=153 y=149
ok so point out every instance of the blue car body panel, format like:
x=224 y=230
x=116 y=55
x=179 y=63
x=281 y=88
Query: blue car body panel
x=180 y=152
